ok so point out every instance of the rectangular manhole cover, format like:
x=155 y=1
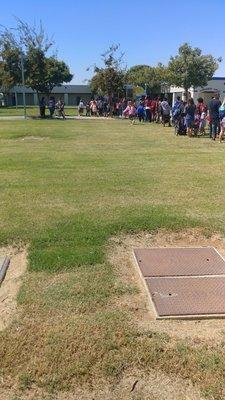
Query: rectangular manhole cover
x=179 y=261
x=186 y=297
x=183 y=282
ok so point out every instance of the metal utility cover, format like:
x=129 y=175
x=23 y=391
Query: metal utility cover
x=2 y=260
x=155 y=262
x=4 y=264
x=188 y=297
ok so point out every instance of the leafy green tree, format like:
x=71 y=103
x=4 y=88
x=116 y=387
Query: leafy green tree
x=109 y=80
x=190 y=68
x=42 y=72
x=150 y=78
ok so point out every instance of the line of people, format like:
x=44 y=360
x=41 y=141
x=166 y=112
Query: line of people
x=192 y=119
x=53 y=106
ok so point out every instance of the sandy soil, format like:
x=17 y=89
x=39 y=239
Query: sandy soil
x=10 y=286
x=120 y=255
x=133 y=386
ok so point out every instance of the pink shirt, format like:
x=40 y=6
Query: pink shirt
x=130 y=110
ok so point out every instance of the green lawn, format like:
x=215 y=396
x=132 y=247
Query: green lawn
x=65 y=195
x=31 y=111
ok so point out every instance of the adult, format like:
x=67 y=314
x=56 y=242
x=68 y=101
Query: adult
x=177 y=110
x=51 y=106
x=148 y=114
x=60 y=105
x=153 y=109
x=42 y=106
x=214 y=106
x=165 y=110
x=94 y=109
x=81 y=107
x=190 y=110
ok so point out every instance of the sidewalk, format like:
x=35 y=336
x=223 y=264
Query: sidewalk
x=21 y=117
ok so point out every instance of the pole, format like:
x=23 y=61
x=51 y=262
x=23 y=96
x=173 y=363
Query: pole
x=23 y=83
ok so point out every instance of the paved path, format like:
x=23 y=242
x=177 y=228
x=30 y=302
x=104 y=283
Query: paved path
x=21 y=117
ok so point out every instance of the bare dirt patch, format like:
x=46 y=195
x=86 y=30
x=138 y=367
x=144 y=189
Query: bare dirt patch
x=132 y=386
x=11 y=284
x=120 y=255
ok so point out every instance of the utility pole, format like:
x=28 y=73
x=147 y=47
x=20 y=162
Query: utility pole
x=23 y=83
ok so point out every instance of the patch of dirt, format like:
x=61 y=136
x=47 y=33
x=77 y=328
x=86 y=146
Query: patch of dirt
x=132 y=386
x=120 y=255
x=11 y=284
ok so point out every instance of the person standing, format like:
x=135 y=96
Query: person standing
x=81 y=108
x=201 y=106
x=148 y=110
x=165 y=109
x=60 y=105
x=141 y=111
x=214 y=106
x=222 y=120
x=42 y=106
x=190 y=110
x=51 y=106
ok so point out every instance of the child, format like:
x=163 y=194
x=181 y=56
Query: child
x=202 y=123
x=130 y=110
x=141 y=112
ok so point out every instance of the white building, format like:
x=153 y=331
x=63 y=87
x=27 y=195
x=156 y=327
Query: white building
x=215 y=86
x=71 y=94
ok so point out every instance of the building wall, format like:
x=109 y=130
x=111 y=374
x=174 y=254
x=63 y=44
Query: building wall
x=71 y=94
x=214 y=86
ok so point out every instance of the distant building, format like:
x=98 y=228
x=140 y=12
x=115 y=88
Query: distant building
x=71 y=94
x=215 y=86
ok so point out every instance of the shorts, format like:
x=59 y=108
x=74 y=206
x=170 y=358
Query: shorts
x=189 y=122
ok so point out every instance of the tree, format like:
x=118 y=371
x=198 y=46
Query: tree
x=42 y=72
x=150 y=78
x=110 y=79
x=190 y=68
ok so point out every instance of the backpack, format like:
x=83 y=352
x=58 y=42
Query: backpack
x=222 y=112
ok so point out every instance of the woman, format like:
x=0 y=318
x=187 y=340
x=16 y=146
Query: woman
x=190 y=116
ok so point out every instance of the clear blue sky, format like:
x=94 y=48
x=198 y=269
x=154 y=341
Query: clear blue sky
x=148 y=31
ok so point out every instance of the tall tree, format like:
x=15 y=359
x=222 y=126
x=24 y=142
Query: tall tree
x=42 y=72
x=109 y=80
x=150 y=78
x=190 y=68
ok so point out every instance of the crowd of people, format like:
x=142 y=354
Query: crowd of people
x=53 y=106
x=191 y=119
x=187 y=117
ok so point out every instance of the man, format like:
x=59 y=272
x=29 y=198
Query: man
x=177 y=109
x=214 y=106
x=165 y=109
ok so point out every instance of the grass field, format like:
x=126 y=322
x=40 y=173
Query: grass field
x=31 y=111
x=66 y=188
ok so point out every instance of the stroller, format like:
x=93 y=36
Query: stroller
x=179 y=125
